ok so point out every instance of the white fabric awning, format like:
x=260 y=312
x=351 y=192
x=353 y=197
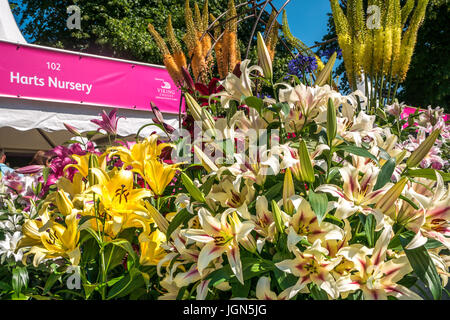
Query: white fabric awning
x=22 y=119
x=8 y=26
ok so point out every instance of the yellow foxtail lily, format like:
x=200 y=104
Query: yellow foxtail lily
x=221 y=234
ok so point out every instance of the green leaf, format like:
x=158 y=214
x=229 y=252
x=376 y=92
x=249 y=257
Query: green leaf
x=126 y=245
x=51 y=281
x=424 y=267
x=274 y=191
x=385 y=174
x=239 y=290
x=192 y=188
x=428 y=173
x=130 y=282
x=358 y=151
x=369 y=228
x=319 y=204
x=181 y=217
x=317 y=293
x=255 y=103
x=19 y=279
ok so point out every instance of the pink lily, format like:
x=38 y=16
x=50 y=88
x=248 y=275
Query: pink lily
x=108 y=122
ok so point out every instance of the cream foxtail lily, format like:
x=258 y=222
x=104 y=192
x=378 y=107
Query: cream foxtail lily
x=357 y=194
x=221 y=234
x=376 y=277
x=309 y=266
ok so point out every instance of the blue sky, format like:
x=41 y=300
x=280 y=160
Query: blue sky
x=307 y=18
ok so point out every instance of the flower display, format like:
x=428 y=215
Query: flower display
x=289 y=190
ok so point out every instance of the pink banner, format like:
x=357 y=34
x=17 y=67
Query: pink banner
x=45 y=74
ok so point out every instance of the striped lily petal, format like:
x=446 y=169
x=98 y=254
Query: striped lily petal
x=208 y=253
x=235 y=263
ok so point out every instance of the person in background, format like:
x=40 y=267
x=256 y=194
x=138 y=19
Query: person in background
x=42 y=158
x=4 y=169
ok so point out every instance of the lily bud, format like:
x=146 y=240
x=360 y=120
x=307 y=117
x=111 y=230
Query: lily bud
x=264 y=57
x=277 y=217
x=188 y=79
x=199 y=113
x=72 y=129
x=306 y=167
x=207 y=163
x=192 y=188
x=93 y=163
x=331 y=122
x=63 y=203
x=387 y=201
x=288 y=191
x=423 y=149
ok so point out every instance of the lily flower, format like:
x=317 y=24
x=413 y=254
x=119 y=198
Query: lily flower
x=108 y=122
x=238 y=87
x=432 y=219
x=151 y=249
x=305 y=225
x=263 y=291
x=221 y=234
x=376 y=277
x=230 y=194
x=309 y=266
x=139 y=152
x=158 y=175
x=52 y=240
x=118 y=197
x=357 y=193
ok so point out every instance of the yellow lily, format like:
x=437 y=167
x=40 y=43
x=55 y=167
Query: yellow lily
x=118 y=197
x=158 y=175
x=151 y=250
x=55 y=240
x=139 y=153
x=82 y=164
